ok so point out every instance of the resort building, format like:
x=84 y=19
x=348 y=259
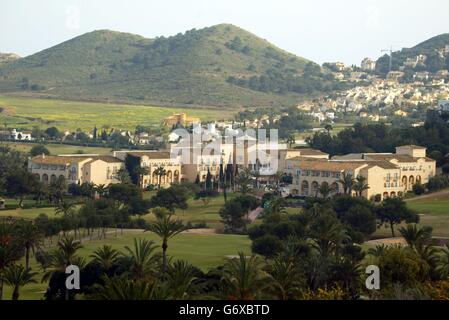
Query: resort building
x=387 y=175
x=162 y=169
x=181 y=119
x=96 y=169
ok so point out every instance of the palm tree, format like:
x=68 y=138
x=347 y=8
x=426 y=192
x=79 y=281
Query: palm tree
x=30 y=237
x=443 y=263
x=416 y=237
x=64 y=256
x=360 y=185
x=179 y=277
x=105 y=256
x=166 y=228
x=101 y=190
x=141 y=172
x=328 y=235
x=9 y=251
x=143 y=259
x=160 y=172
x=243 y=278
x=347 y=182
x=286 y=278
x=122 y=175
x=378 y=250
x=18 y=276
x=121 y=288
x=65 y=208
x=325 y=190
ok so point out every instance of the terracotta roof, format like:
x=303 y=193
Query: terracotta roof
x=399 y=157
x=329 y=165
x=72 y=159
x=311 y=152
x=151 y=154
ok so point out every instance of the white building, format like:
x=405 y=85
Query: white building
x=368 y=64
x=21 y=135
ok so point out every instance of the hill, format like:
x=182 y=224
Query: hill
x=221 y=65
x=435 y=49
x=7 y=58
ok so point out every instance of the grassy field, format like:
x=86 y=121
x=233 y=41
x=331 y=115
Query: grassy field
x=25 y=113
x=57 y=148
x=433 y=211
x=198 y=212
x=204 y=251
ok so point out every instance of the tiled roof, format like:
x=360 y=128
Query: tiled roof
x=311 y=152
x=151 y=154
x=329 y=165
x=399 y=157
x=72 y=159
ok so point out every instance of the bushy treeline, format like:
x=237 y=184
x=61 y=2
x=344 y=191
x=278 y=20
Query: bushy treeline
x=382 y=138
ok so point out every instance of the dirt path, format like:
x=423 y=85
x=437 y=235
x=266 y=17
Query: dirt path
x=253 y=215
x=427 y=196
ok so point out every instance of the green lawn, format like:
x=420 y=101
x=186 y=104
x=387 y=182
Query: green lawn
x=433 y=211
x=28 y=213
x=198 y=212
x=58 y=148
x=70 y=115
x=204 y=251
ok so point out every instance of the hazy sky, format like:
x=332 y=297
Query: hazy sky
x=320 y=30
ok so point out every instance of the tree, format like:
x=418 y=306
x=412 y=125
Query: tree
x=165 y=228
x=360 y=185
x=53 y=132
x=19 y=184
x=328 y=129
x=325 y=190
x=443 y=263
x=18 y=276
x=286 y=276
x=121 y=288
x=39 y=150
x=244 y=278
x=159 y=172
x=291 y=140
x=101 y=190
x=141 y=172
x=105 y=256
x=416 y=237
x=171 y=198
x=418 y=189
x=29 y=236
x=65 y=208
x=394 y=211
x=180 y=276
x=347 y=181
x=143 y=259
x=123 y=176
x=9 y=249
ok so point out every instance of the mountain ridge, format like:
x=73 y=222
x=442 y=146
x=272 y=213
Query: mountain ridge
x=191 y=68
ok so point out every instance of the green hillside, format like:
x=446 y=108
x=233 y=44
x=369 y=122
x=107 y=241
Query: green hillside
x=433 y=48
x=219 y=66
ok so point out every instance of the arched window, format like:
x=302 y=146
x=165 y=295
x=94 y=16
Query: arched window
x=411 y=181
x=176 y=176
x=45 y=177
x=405 y=182
x=385 y=196
x=53 y=178
x=335 y=188
x=305 y=188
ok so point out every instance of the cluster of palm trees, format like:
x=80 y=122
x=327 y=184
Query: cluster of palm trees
x=349 y=185
x=18 y=238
